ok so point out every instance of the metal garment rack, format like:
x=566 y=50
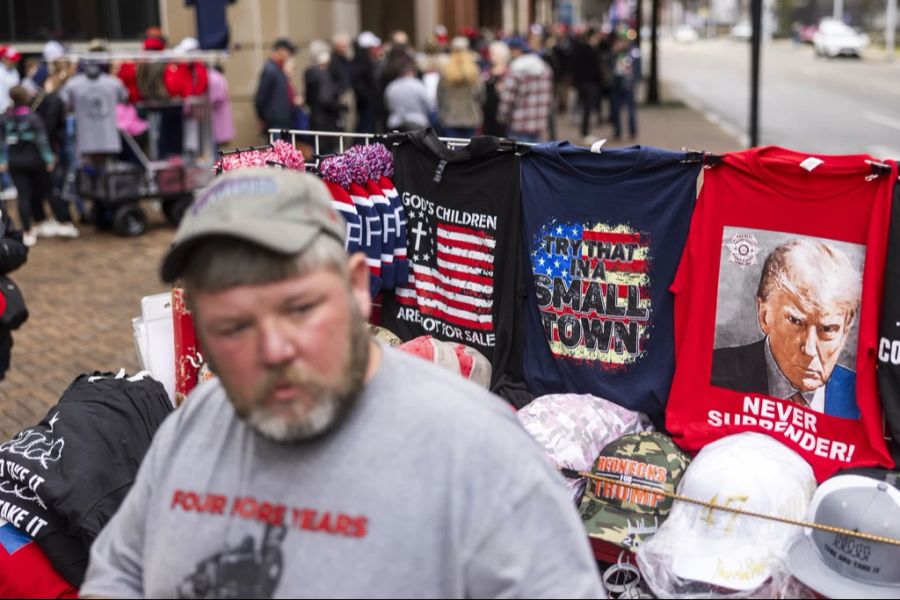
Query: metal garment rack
x=150 y=56
x=367 y=138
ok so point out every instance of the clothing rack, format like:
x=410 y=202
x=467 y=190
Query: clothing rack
x=145 y=56
x=368 y=138
x=692 y=156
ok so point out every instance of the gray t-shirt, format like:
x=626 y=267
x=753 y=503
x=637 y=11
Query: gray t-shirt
x=430 y=488
x=407 y=102
x=94 y=102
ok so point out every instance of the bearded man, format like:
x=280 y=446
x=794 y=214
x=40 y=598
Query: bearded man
x=319 y=463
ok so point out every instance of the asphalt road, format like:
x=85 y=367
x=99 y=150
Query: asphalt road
x=826 y=106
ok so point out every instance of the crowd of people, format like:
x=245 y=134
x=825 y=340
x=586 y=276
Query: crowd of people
x=473 y=83
x=46 y=132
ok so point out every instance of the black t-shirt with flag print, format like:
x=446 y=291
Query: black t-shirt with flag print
x=463 y=243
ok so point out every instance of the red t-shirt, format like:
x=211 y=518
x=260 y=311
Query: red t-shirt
x=791 y=354
x=25 y=571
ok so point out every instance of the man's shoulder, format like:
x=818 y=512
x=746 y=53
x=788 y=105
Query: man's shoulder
x=737 y=352
x=440 y=397
x=206 y=404
x=741 y=368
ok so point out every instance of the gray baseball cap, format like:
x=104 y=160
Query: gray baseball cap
x=842 y=566
x=281 y=210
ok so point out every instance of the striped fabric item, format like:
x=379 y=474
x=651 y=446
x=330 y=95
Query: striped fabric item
x=452 y=275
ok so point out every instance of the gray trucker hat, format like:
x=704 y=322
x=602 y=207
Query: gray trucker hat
x=842 y=566
x=281 y=210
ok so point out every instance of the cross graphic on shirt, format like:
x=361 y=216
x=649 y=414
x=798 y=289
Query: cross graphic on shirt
x=419 y=233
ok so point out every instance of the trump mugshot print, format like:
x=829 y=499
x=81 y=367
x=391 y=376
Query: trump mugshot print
x=786 y=318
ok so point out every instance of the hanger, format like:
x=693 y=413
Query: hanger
x=877 y=169
x=701 y=156
x=242 y=150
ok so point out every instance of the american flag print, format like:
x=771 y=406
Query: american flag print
x=592 y=283
x=452 y=274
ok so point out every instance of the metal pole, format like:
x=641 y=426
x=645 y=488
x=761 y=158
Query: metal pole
x=890 y=28
x=638 y=20
x=755 y=47
x=839 y=10
x=653 y=83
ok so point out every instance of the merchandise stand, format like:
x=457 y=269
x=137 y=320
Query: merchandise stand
x=603 y=550
x=187 y=358
x=116 y=187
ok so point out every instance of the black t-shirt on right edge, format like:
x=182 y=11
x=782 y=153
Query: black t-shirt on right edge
x=464 y=247
x=889 y=333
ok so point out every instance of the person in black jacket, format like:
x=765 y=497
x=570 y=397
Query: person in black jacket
x=587 y=75
x=274 y=99
x=323 y=98
x=51 y=108
x=26 y=154
x=13 y=254
x=365 y=81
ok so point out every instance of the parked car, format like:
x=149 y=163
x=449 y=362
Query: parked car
x=836 y=38
x=742 y=31
x=686 y=34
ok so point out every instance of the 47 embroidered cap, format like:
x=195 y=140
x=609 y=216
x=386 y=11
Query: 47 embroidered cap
x=622 y=515
x=281 y=210
x=702 y=545
x=842 y=566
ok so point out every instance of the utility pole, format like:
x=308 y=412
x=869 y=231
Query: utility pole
x=653 y=82
x=839 y=10
x=890 y=28
x=755 y=49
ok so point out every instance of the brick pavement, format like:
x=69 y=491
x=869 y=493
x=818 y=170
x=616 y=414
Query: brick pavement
x=83 y=293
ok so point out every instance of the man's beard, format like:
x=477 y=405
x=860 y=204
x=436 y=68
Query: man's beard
x=321 y=405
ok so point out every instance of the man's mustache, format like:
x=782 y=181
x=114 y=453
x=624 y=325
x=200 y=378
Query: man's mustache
x=293 y=375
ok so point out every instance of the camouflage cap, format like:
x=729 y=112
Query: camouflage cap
x=622 y=515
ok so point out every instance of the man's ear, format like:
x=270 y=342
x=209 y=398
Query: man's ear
x=762 y=313
x=359 y=282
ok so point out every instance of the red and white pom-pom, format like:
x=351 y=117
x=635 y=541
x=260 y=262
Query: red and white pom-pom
x=286 y=155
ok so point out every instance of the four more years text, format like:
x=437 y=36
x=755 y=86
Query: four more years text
x=247 y=507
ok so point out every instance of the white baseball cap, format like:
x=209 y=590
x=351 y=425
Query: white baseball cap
x=748 y=471
x=367 y=39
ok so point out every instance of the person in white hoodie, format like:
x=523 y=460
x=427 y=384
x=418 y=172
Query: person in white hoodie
x=527 y=97
x=9 y=75
x=9 y=78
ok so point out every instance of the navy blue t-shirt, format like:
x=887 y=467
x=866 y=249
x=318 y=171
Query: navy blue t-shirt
x=603 y=236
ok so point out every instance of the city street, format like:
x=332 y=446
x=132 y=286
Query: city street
x=837 y=106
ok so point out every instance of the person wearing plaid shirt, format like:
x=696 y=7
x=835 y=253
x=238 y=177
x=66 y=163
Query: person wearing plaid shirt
x=527 y=96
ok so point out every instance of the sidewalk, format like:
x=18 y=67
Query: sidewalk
x=82 y=294
x=671 y=125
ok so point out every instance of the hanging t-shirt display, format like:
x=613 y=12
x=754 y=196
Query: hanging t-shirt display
x=94 y=102
x=603 y=233
x=777 y=301
x=463 y=231
x=889 y=335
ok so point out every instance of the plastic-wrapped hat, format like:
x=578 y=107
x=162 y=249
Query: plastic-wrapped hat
x=573 y=429
x=700 y=550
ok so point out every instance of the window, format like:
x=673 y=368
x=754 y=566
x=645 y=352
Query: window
x=70 y=20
